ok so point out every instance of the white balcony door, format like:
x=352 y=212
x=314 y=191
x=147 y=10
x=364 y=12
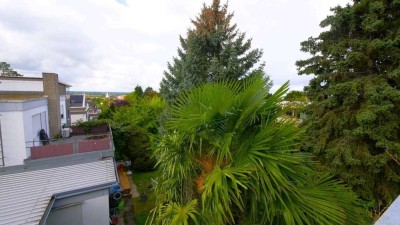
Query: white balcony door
x=39 y=121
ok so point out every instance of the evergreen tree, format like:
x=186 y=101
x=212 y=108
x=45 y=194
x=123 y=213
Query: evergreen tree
x=354 y=115
x=149 y=92
x=214 y=49
x=139 y=91
x=7 y=71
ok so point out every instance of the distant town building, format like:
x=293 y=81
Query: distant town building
x=27 y=106
x=79 y=108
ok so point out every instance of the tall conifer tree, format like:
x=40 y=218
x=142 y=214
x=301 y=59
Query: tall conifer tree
x=355 y=95
x=214 y=49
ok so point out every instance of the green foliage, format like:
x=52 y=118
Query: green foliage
x=295 y=103
x=7 y=71
x=118 y=132
x=295 y=96
x=137 y=148
x=139 y=91
x=135 y=126
x=143 y=208
x=149 y=92
x=175 y=213
x=88 y=125
x=142 y=112
x=106 y=107
x=354 y=121
x=231 y=160
x=213 y=50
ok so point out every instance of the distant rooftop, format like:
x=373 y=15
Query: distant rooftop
x=76 y=100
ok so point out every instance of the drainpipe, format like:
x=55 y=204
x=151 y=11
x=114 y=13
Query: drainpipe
x=1 y=146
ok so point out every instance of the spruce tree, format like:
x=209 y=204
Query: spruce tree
x=214 y=49
x=354 y=116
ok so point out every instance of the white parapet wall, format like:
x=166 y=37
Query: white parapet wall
x=21 y=85
x=12 y=127
x=78 y=117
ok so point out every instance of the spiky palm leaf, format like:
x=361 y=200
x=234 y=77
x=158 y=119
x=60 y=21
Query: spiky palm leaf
x=229 y=148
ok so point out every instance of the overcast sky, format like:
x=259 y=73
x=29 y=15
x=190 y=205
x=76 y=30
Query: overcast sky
x=114 y=45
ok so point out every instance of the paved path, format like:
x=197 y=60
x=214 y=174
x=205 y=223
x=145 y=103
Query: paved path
x=128 y=217
x=134 y=191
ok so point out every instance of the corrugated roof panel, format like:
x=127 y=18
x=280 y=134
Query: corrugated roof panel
x=25 y=196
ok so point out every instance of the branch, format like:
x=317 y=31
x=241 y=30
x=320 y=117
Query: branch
x=393 y=157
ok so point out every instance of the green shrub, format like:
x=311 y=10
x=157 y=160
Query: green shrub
x=88 y=125
x=138 y=148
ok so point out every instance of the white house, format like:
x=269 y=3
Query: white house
x=66 y=181
x=79 y=108
x=27 y=105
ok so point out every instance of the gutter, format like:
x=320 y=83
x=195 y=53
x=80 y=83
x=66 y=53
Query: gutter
x=47 y=212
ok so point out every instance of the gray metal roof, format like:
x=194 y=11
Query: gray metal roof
x=25 y=196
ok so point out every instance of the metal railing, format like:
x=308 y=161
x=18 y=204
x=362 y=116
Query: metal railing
x=68 y=146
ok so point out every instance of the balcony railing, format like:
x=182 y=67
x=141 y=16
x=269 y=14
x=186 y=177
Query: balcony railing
x=71 y=145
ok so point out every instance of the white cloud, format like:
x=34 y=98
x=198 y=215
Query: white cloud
x=103 y=45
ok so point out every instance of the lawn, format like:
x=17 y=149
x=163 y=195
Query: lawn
x=142 y=208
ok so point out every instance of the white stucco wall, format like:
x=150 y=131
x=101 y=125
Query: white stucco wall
x=95 y=211
x=21 y=85
x=13 y=136
x=76 y=117
x=17 y=128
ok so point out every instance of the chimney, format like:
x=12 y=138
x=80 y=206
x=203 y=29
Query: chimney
x=51 y=89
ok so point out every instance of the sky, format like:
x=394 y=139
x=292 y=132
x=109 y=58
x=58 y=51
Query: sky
x=114 y=45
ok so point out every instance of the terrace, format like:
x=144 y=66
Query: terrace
x=97 y=139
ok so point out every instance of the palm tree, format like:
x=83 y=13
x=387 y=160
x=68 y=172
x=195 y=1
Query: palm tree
x=230 y=158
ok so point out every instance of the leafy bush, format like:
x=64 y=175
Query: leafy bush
x=138 y=148
x=89 y=125
x=118 y=132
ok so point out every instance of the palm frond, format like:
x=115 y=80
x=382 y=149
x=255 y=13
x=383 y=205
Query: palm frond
x=229 y=147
